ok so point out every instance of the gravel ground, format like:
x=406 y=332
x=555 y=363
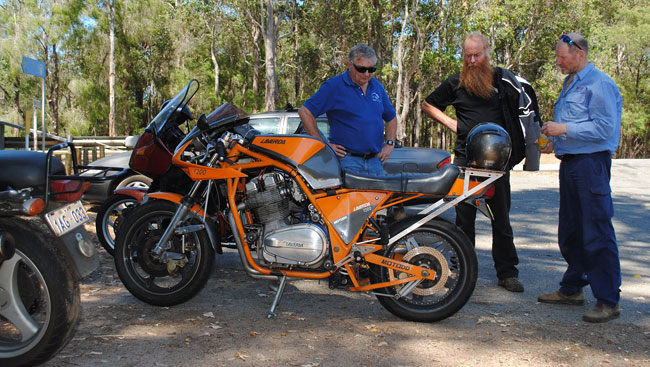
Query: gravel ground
x=225 y=325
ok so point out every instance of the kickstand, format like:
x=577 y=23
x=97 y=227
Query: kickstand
x=278 y=295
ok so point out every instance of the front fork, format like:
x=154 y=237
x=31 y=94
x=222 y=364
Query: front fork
x=181 y=214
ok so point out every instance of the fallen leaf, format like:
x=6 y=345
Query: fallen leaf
x=253 y=333
x=241 y=355
x=208 y=314
x=637 y=275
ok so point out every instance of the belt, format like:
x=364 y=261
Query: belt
x=364 y=156
x=568 y=157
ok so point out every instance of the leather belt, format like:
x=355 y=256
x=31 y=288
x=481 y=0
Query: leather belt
x=568 y=157
x=364 y=156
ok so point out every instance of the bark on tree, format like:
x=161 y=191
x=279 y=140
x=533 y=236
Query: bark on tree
x=270 y=25
x=111 y=68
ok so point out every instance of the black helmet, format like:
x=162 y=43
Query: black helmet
x=488 y=147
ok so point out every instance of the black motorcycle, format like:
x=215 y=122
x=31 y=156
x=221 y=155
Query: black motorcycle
x=44 y=252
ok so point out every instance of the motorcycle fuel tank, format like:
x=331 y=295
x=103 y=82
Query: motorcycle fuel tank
x=315 y=160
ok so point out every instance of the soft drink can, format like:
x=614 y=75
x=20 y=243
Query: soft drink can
x=542 y=141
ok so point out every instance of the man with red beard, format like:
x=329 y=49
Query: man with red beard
x=481 y=93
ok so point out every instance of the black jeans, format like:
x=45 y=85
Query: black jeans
x=504 y=252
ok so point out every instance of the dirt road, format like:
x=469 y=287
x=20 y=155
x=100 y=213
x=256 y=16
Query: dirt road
x=225 y=325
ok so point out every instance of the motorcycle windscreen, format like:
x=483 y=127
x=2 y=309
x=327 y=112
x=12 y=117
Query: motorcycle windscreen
x=150 y=156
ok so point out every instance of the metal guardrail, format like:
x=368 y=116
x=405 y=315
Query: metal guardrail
x=89 y=148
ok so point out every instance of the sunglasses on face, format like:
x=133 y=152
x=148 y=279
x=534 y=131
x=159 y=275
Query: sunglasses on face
x=569 y=41
x=363 y=69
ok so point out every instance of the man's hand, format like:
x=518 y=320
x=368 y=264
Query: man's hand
x=552 y=128
x=548 y=148
x=339 y=150
x=386 y=151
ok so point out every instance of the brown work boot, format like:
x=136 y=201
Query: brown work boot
x=560 y=298
x=602 y=313
x=512 y=284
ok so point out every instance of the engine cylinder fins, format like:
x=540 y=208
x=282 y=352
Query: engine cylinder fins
x=428 y=257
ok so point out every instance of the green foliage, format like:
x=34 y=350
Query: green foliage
x=162 y=44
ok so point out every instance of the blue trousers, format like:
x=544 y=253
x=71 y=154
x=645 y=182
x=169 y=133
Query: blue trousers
x=372 y=166
x=585 y=232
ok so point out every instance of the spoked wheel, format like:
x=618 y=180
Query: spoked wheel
x=442 y=247
x=39 y=297
x=168 y=282
x=109 y=217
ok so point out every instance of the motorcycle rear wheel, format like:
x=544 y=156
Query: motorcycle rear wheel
x=109 y=216
x=39 y=297
x=437 y=245
x=149 y=279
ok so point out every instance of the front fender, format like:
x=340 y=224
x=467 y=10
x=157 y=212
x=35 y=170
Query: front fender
x=137 y=193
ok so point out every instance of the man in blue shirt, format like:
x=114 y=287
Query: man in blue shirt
x=585 y=135
x=356 y=105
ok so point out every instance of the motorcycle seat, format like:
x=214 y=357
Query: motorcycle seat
x=436 y=183
x=21 y=169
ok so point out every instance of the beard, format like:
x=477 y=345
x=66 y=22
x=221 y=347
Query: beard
x=477 y=80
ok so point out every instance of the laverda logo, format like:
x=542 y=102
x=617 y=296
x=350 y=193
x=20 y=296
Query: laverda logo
x=273 y=141
x=365 y=205
x=293 y=244
x=395 y=265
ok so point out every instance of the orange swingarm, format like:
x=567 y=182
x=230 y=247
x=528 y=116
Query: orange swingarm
x=415 y=271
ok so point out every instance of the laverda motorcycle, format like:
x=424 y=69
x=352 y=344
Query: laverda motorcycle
x=44 y=252
x=294 y=213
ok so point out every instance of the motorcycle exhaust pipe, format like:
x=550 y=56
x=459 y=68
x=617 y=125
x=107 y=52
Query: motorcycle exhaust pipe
x=7 y=246
x=240 y=248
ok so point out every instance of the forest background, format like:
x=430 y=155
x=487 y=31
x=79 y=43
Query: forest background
x=111 y=63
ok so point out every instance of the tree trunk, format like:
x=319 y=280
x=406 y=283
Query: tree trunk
x=55 y=89
x=401 y=103
x=111 y=68
x=215 y=63
x=270 y=33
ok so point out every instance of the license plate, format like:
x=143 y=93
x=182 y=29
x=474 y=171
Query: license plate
x=67 y=218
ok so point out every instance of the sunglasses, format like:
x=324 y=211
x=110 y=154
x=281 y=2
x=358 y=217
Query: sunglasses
x=569 y=41
x=363 y=69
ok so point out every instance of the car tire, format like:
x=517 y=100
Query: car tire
x=135 y=181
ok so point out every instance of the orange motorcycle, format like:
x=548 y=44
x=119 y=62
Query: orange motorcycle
x=294 y=213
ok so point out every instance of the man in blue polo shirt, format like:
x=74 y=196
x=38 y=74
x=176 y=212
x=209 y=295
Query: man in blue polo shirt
x=356 y=105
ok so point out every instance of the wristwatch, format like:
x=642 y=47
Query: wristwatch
x=389 y=142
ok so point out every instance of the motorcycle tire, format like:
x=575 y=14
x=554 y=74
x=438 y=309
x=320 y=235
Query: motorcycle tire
x=149 y=279
x=109 y=217
x=437 y=245
x=45 y=304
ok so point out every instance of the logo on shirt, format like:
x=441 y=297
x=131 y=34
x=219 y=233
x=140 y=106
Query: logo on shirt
x=375 y=97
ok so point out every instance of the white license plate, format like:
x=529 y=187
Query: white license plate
x=67 y=218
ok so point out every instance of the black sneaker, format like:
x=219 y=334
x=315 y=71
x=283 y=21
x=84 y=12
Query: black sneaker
x=511 y=284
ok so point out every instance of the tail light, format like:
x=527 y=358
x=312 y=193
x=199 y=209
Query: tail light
x=489 y=192
x=444 y=162
x=33 y=206
x=68 y=190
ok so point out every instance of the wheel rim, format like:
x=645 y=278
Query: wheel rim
x=114 y=214
x=138 y=184
x=429 y=250
x=25 y=305
x=150 y=274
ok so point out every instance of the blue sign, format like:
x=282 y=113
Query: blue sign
x=33 y=67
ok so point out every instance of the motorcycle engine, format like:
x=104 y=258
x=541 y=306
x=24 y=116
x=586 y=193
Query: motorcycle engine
x=286 y=239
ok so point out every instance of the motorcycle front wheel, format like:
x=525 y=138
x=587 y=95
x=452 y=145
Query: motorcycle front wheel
x=39 y=297
x=436 y=245
x=161 y=283
x=109 y=217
